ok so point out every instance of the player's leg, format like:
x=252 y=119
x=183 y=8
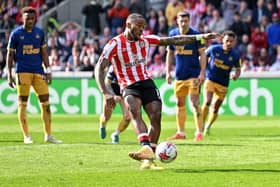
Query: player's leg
x=41 y=88
x=208 y=92
x=214 y=114
x=197 y=114
x=123 y=124
x=23 y=83
x=103 y=119
x=153 y=106
x=220 y=93
x=181 y=91
x=194 y=91
x=134 y=104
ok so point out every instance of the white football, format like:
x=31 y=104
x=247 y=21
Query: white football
x=166 y=152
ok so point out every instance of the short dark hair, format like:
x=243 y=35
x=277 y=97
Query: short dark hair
x=183 y=14
x=134 y=16
x=28 y=9
x=229 y=33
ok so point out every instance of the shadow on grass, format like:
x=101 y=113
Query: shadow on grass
x=200 y=144
x=10 y=141
x=226 y=170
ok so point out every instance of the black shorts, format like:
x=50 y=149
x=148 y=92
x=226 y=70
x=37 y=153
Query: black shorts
x=116 y=89
x=146 y=90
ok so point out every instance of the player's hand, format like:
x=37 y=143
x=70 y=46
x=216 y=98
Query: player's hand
x=109 y=101
x=48 y=78
x=200 y=79
x=168 y=78
x=234 y=77
x=11 y=82
x=211 y=35
x=117 y=98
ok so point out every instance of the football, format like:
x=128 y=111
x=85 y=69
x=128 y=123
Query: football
x=166 y=152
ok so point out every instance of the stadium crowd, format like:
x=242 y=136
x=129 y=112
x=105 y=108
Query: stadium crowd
x=73 y=47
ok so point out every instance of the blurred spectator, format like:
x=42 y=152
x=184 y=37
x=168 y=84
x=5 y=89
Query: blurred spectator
x=55 y=61
x=263 y=54
x=194 y=17
x=90 y=37
x=118 y=14
x=137 y=6
x=7 y=22
x=207 y=17
x=245 y=12
x=156 y=4
x=74 y=63
x=71 y=30
x=86 y=65
x=259 y=10
x=239 y=27
x=200 y=8
x=273 y=36
x=173 y=7
x=276 y=64
x=53 y=23
x=157 y=69
x=38 y=5
x=92 y=51
x=50 y=4
x=217 y=24
x=229 y=8
x=242 y=46
x=246 y=65
x=66 y=51
x=91 y=11
x=105 y=37
x=162 y=23
x=152 y=21
x=259 y=39
x=271 y=7
x=252 y=55
x=10 y=11
x=262 y=65
x=264 y=23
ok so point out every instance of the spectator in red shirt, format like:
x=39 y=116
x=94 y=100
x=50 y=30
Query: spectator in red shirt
x=118 y=14
x=259 y=39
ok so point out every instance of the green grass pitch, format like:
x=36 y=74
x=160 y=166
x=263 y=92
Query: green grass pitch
x=241 y=151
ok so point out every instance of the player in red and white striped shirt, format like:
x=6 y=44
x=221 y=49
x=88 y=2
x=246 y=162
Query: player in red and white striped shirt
x=128 y=53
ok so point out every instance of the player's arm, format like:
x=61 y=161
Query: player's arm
x=45 y=58
x=10 y=60
x=185 y=39
x=202 y=62
x=236 y=73
x=99 y=76
x=169 y=62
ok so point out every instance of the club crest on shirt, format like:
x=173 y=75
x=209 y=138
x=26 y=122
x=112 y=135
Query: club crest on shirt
x=230 y=58
x=217 y=54
x=21 y=37
x=37 y=36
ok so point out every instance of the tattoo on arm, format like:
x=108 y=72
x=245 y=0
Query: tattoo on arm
x=100 y=74
x=177 y=40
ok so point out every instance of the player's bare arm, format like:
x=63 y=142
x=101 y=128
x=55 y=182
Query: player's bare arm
x=236 y=74
x=99 y=77
x=169 y=61
x=202 y=62
x=185 y=39
x=45 y=58
x=10 y=60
